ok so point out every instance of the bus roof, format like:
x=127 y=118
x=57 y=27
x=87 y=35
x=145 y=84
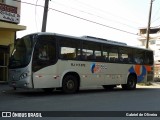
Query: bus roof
x=90 y=38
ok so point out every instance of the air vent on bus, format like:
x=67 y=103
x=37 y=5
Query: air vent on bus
x=110 y=41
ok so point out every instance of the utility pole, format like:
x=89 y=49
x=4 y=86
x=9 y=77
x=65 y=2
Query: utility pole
x=149 y=23
x=45 y=13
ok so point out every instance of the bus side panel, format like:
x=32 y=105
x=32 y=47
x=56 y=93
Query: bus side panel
x=144 y=73
x=96 y=73
x=116 y=74
x=82 y=68
x=46 y=78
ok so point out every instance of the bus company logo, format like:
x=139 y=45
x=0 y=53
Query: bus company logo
x=97 y=67
x=140 y=70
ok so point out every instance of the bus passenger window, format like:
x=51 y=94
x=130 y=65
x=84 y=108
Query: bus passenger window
x=125 y=55
x=113 y=57
x=68 y=53
x=139 y=56
x=149 y=58
x=69 y=49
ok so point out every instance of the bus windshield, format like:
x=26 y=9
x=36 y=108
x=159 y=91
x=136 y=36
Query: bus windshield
x=21 y=54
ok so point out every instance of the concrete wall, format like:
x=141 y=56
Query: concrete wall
x=7 y=39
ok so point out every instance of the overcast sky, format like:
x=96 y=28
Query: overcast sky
x=99 y=18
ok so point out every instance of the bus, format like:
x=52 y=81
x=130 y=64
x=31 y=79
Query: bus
x=70 y=63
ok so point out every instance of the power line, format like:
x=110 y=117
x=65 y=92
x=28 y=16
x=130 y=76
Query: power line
x=89 y=13
x=155 y=20
x=157 y=11
x=28 y=3
x=80 y=18
x=156 y=26
x=93 y=21
x=156 y=17
x=88 y=5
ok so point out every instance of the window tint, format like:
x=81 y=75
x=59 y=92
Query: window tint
x=22 y=52
x=139 y=56
x=87 y=51
x=74 y=49
x=98 y=55
x=149 y=58
x=44 y=53
x=125 y=55
x=113 y=54
x=91 y=51
x=69 y=48
x=105 y=53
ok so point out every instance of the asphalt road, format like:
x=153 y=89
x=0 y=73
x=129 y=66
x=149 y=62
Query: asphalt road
x=144 y=98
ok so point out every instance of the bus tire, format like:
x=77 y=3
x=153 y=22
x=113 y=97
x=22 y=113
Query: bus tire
x=70 y=84
x=131 y=83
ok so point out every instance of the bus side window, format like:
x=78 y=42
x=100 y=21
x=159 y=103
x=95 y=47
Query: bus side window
x=113 y=54
x=69 y=49
x=149 y=57
x=68 y=53
x=125 y=55
x=139 y=56
x=87 y=54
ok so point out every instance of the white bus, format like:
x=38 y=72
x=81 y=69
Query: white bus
x=49 y=61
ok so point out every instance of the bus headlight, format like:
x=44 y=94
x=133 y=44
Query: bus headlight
x=24 y=75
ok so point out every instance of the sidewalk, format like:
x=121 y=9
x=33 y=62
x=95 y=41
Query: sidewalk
x=154 y=85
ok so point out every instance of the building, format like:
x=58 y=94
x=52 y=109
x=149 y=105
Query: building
x=9 y=20
x=154 y=44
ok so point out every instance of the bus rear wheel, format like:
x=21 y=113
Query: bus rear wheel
x=131 y=83
x=70 y=84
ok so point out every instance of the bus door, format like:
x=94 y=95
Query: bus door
x=43 y=64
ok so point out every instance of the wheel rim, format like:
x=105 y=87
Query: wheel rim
x=70 y=84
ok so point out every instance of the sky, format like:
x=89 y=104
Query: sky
x=117 y=20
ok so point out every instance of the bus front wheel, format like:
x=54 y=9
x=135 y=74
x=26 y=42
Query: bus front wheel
x=70 y=84
x=131 y=83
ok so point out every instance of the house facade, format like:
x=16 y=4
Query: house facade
x=9 y=25
x=154 y=44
